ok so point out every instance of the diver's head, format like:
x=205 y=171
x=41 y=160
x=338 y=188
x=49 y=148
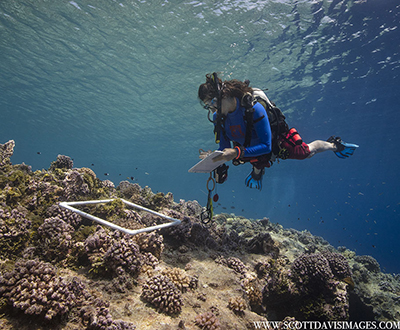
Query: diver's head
x=210 y=91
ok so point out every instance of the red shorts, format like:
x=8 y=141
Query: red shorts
x=293 y=147
x=301 y=151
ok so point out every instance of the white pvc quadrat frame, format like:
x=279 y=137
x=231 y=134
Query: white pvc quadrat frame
x=68 y=206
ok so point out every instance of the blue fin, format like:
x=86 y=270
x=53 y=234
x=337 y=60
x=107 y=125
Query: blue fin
x=347 y=151
x=343 y=149
x=254 y=181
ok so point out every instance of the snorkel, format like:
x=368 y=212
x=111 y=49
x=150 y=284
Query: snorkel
x=218 y=121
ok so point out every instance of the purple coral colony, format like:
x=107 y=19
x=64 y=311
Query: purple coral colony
x=58 y=270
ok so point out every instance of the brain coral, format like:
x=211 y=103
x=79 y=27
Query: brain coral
x=34 y=287
x=163 y=294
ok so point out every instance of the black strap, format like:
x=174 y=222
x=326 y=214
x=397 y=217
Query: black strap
x=248 y=115
x=219 y=119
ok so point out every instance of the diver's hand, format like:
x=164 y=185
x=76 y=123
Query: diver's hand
x=227 y=155
x=203 y=154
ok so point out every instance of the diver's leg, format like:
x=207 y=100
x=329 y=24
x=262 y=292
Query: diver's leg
x=318 y=146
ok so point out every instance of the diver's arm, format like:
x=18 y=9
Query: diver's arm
x=228 y=152
x=263 y=129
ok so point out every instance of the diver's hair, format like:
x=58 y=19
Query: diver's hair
x=230 y=88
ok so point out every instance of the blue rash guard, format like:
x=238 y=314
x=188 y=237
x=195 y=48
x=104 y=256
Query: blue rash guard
x=235 y=130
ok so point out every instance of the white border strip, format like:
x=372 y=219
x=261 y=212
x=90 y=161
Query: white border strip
x=67 y=205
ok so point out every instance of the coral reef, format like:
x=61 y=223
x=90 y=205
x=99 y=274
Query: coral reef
x=311 y=271
x=111 y=253
x=237 y=305
x=14 y=231
x=369 y=263
x=123 y=254
x=96 y=315
x=234 y=263
x=55 y=239
x=67 y=216
x=180 y=279
x=62 y=162
x=34 y=287
x=6 y=151
x=163 y=294
x=75 y=186
x=252 y=288
x=150 y=242
x=225 y=275
x=207 y=321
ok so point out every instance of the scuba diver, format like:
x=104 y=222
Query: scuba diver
x=249 y=128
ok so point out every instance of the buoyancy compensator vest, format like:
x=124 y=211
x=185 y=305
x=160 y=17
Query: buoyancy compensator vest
x=277 y=119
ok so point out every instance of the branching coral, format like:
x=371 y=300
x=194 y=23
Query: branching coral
x=6 y=151
x=42 y=192
x=98 y=242
x=207 y=321
x=62 y=162
x=55 y=238
x=128 y=219
x=75 y=185
x=253 y=292
x=149 y=263
x=312 y=283
x=369 y=262
x=263 y=244
x=181 y=280
x=338 y=264
x=34 y=287
x=312 y=271
x=14 y=231
x=96 y=316
x=128 y=189
x=163 y=294
x=237 y=305
x=234 y=263
x=150 y=242
x=123 y=254
x=190 y=208
x=315 y=271
x=113 y=252
x=69 y=217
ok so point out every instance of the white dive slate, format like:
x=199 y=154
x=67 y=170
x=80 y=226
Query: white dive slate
x=207 y=164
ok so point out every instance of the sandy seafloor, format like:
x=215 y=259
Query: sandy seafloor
x=60 y=271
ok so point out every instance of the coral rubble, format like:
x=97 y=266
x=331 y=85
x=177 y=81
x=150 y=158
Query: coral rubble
x=59 y=268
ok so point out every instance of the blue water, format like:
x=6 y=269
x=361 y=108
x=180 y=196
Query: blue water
x=113 y=84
